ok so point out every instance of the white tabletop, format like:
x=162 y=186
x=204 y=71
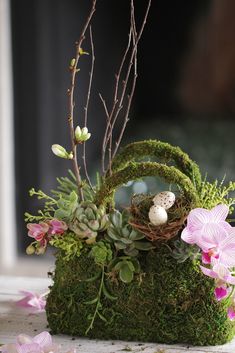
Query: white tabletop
x=14 y=320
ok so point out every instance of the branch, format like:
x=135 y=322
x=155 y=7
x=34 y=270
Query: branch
x=115 y=111
x=74 y=70
x=108 y=129
x=87 y=105
x=133 y=57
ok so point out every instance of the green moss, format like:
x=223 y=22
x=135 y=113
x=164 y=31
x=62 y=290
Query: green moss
x=164 y=152
x=138 y=170
x=167 y=303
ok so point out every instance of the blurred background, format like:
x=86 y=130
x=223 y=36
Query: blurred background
x=185 y=95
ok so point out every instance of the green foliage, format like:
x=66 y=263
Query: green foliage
x=212 y=194
x=182 y=251
x=67 y=205
x=88 y=220
x=48 y=210
x=68 y=184
x=102 y=253
x=126 y=267
x=168 y=302
x=124 y=237
x=69 y=243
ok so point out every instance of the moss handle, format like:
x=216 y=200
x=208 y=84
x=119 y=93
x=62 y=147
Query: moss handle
x=162 y=150
x=135 y=171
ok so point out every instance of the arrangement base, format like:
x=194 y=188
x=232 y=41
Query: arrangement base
x=168 y=303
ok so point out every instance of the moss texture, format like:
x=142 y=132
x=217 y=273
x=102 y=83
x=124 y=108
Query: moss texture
x=168 y=303
x=135 y=170
x=164 y=152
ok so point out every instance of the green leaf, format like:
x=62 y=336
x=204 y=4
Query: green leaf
x=136 y=235
x=101 y=317
x=125 y=274
x=107 y=294
x=93 y=278
x=90 y=302
x=143 y=245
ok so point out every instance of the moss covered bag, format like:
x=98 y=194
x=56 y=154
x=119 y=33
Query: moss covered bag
x=118 y=288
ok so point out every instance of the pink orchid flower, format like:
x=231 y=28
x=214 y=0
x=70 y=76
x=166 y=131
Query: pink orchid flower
x=207 y=222
x=37 y=231
x=41 y=343
x=219 y=272
x=221 y=292
x=220 y=245
x=35 y=302
x=231 y=313
x=57 y=227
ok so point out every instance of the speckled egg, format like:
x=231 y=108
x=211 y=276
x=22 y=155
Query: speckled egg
x=157 y=215
x=166 y=199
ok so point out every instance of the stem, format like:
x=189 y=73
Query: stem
x=136 y=40
x=98 y=302
x=115 y=111
x=87 y=105
x=74 y=71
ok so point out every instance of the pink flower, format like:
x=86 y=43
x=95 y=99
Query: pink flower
x=41 y=343
x=219 y=272
x=204 y=222
x=231 y=313
x=36 y=302
x=57 y=227
x=221 y=292
x=220 y=245
x=37 y=231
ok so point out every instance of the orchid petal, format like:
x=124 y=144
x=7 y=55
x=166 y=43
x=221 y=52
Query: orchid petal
x=187 y=236
x=219 y=213
x=43 y=339
x=210 y=236
x=208 y=272
x=29 y=348
x=221 y=293
x=197 y=217
x=230 y=279
x=231 y=313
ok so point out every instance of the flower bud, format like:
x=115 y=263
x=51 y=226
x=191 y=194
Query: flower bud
x=60 y=151
x=81 y=135
x=72 y=62
x=40 y=250
x=78 y=133
x=30 y=250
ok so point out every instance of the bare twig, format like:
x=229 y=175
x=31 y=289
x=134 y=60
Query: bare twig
x=136 y=39
x=74 y=70
x=87 y=105
x=118 y=101
x=108 y=130
x=130 y=97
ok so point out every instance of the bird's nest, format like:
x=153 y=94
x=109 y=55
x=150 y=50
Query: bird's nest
x=177 y=215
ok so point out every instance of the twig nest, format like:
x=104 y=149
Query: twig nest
x=157 y=215
x=165 y=199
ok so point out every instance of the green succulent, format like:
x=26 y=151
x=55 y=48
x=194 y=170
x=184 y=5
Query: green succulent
x=88 y=220
x=101 y=252
x=124 y=237
x=183 y=251
x=126 y=267
x=67 y=205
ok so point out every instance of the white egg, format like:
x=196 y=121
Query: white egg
x=166 y=199
x=157 y=215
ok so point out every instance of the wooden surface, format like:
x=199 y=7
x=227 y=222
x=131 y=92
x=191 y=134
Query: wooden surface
x=14 y=321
